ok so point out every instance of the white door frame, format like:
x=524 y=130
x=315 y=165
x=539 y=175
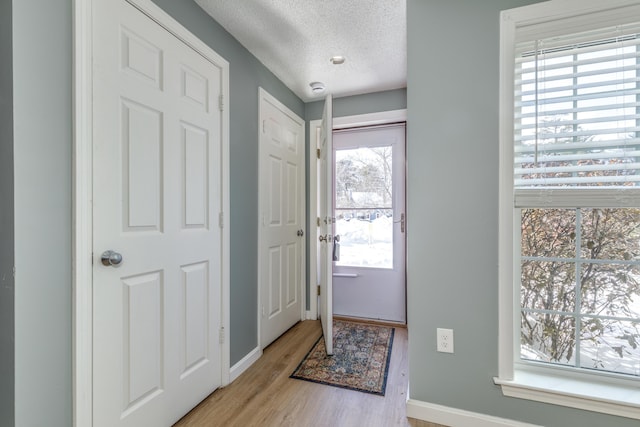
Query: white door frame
x=371 y=119
x=263 y=94
x=82 y=257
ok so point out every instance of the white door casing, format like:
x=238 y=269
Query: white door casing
x=326 y=224
x=361 y=120
x=160 y=186
x=282 y=218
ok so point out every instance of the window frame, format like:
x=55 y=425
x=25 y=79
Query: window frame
x=566 y=386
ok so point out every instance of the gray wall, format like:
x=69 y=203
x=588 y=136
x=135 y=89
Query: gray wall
x=359 y=104
x=42 y=168
x=347 y=106
x=246 y=75
x=6 y=220
x=453 y=216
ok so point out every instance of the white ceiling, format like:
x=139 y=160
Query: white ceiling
x=295 y=39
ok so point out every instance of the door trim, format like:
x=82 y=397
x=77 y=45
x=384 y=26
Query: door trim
x=370 y=119
x=264 y=95
x=82 y=184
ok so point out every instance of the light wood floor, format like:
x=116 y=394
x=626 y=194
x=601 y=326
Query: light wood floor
x=264 y=395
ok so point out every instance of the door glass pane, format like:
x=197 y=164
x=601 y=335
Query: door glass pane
x=364 y=206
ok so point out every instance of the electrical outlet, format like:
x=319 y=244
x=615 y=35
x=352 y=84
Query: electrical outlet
x=445 y=340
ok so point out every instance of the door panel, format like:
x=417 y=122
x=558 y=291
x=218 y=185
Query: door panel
x=369 y=278
x=275 y=257
x=326 y=224
x=293 y=272
x=282 y=213
x=195 y=167
x=156 y=197
x=141 y=168
x=143 y=334
x=195 y=287
x=275 y=191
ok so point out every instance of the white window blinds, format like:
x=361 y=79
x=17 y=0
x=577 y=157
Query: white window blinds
x=577 y=110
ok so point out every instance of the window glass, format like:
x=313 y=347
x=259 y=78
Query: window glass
x=364 y=206
x=580 y=288
x=576 y=173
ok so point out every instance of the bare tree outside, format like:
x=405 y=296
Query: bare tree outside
x=365 y=172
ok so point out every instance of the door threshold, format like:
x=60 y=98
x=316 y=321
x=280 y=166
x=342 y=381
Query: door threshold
x=370 y=321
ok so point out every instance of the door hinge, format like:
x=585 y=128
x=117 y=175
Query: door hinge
x=318 y=289
x=221 y=219
x=221 y=102
x=318 y=152
x=221 y=335
x=318 y=221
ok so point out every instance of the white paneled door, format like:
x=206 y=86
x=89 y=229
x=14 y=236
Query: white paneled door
x=156 y=204
x=326 y=224
x=282 y=186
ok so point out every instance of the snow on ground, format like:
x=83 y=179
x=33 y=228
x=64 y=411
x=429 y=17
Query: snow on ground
x=366 y=243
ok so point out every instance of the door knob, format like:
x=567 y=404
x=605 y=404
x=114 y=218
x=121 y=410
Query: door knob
x=111 y=258
x=401 y=223
x=300 y=233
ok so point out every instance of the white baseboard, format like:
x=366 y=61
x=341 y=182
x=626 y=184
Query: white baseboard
x=244 y=364
x=453 y=417
x=310 y=316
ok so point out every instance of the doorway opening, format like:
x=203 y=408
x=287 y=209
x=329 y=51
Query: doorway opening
x=369 y=227
x=369 y=217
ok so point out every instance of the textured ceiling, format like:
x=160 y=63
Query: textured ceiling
x=295 y=39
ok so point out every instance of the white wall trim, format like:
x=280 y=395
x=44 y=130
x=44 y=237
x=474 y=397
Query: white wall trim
x=618 y=397
x=506 y=295
x=82 y=224
x=371 y=119
x=82 y=257
x=313 y=232
x=245 y=363
x=454 y=417
x=174 y=27
x=225 y=261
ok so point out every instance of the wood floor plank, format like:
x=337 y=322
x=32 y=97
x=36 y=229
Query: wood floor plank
x=264 y=395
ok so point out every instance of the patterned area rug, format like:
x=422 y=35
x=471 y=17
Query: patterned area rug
x=360 y=361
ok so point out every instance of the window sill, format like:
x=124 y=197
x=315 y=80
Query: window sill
x=621 y=398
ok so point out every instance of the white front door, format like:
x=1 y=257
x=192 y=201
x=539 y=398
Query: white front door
x=369 y=188
x=156 y=202
x=326 y=224
x=282 y=186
